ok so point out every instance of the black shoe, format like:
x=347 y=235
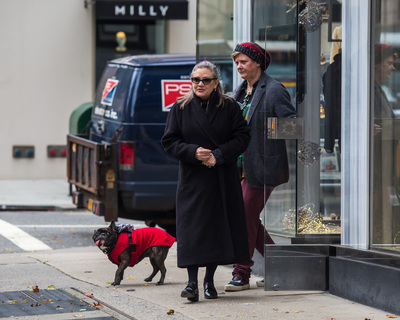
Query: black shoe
x=191 y=292
x=209 y=291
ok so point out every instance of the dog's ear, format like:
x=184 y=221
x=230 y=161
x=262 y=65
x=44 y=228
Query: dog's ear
x=112 y=225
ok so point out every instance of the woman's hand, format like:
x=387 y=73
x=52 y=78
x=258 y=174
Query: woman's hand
x=203 y=154
x=211 y=162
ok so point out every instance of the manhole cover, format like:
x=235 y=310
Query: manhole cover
x=29 y=303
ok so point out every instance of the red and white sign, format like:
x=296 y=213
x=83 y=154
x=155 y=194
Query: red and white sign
x=172 y=90
x=109 y=92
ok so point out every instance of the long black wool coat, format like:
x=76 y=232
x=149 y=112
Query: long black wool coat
x=210 y=218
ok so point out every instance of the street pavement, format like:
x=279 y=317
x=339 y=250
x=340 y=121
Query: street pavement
x=86 y=274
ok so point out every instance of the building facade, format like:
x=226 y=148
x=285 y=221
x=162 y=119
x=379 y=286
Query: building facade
x=53 y=52
x=337 y=219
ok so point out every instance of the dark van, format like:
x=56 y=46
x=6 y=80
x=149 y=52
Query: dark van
x=120 y=169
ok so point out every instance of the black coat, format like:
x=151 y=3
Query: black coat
x=332 y=88
x=269 y=166
x=210 y=218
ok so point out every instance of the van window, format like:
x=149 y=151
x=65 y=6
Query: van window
x=113 y=91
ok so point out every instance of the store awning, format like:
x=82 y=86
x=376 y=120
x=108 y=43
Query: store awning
x=141 y=10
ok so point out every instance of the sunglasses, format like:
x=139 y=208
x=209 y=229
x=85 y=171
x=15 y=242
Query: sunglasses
x=197 y=80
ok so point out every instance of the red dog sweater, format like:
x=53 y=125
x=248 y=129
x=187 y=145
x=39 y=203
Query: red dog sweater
x=143 y=238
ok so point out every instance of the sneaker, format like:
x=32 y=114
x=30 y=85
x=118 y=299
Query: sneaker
x=237 y=284
x=260 y=283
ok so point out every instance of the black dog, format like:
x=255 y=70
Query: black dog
x=125 y=247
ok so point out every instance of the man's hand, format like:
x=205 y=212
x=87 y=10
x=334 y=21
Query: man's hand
x=377 y=129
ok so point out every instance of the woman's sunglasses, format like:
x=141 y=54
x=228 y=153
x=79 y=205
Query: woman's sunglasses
x=197 y=80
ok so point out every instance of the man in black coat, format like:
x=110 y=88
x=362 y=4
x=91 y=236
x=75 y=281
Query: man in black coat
x=332 y=88
x=264 y=164
x=385 y=146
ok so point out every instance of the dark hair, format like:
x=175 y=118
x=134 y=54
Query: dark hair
x=186 y=99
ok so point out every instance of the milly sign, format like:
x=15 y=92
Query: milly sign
x=136 y=10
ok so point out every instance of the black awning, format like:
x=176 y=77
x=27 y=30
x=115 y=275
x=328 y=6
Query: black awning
x=141 y=10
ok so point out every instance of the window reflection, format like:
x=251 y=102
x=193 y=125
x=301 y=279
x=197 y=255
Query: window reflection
x=385 y=152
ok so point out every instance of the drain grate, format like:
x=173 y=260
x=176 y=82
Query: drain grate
x=29 y=303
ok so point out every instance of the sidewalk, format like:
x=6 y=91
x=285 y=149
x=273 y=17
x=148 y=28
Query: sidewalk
x=86 y=273
x=35 y=194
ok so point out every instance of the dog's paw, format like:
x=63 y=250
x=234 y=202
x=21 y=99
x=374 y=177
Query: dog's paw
x=116 y=283
x=159 y=283
x=148 y=279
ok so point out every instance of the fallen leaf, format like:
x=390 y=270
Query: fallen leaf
x=391 y=316
x=51 y=287
x=89 y=294
x=170 y=312
x=12 y=301
x=98 y=304
x=35 y=289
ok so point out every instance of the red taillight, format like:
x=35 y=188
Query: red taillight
x=126 y=155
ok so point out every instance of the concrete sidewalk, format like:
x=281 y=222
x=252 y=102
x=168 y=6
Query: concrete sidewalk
x=88 y=271
x=35 y=194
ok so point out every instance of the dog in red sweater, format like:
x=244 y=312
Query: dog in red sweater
x=126 y=247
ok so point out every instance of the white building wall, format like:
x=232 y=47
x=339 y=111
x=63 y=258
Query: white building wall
x=181 y=34
x=46 y=63
x=46 y=70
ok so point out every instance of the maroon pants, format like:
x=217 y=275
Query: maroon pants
x=254 y=202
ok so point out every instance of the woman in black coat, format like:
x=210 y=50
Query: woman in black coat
x=206 y=132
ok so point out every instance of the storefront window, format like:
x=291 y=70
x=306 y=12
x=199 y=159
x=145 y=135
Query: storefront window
x=116 y=40
x=304 y=39
x=215 y=36
x=385 y=147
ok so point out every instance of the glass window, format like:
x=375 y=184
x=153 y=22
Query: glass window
x=279 y=39
x=385 y=148
x=215 y=36
x=304 y=39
